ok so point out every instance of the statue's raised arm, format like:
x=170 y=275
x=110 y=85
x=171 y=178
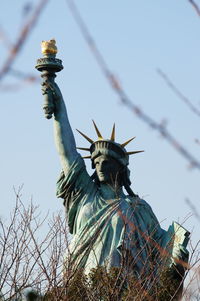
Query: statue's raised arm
x=64 y=138
x=54 y=104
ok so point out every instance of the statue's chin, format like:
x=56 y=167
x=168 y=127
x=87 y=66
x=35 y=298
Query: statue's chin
x=102 y=180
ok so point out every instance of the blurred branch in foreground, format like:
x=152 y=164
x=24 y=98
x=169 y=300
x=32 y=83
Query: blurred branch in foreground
x=23 y=75
x=4 y=38
x=197 y=141
x=5 y=88
x=125 y=100
x=193 y=208
x=178 y=93
x=22 y=38
x=195 y=6
x=24 y=78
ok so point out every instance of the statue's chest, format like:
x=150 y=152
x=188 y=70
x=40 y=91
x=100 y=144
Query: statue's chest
x=85 y=213
x=93 y=210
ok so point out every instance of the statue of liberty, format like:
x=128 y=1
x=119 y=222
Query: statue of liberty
x=111 y=225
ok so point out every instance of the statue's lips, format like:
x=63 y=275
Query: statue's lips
x=101 y=174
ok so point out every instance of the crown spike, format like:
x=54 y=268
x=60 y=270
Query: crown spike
x=127 y=142
x=135 y=152
x=112 y=138
x=87 y=157
x=84 y=148
x=97 y=131
x=86 y=137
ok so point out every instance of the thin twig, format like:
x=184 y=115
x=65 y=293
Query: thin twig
x=4 y=38
x=125 y=100
x=193 y=208
x=21 y=39
x=195 y=6
x=178 y=93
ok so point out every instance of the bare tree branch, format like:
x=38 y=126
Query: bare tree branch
x=22 y=38
x=193 y=208
x=178 y=93
x=195 y=6
x=125 y=100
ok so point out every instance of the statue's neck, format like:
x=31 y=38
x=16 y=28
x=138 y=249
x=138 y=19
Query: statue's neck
x=109 y=192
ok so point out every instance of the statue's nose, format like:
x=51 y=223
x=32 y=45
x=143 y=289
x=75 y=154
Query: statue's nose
x=101 y=166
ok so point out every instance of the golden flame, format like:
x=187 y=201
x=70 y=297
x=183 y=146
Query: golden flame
x=49 y=47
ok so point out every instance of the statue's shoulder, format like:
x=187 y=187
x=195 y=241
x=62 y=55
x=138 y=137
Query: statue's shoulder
x=136 y=201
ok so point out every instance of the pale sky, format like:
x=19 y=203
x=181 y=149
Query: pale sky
x=135 y=38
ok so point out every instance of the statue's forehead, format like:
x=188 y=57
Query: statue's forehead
x=103 y=157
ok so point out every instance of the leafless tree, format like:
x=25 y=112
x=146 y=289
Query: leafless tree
x=33 y=255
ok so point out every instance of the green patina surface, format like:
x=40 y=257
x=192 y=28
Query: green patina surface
x=105 y=228
x=109 y=228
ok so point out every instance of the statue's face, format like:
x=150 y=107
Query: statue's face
x=107 y=169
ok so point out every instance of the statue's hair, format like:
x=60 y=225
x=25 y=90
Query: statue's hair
x=117 y=151
x=123 y=180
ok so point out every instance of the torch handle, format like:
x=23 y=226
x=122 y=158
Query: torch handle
x=48 y=107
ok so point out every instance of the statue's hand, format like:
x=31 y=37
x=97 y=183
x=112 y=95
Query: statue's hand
x=52 y=97
x=51 y=87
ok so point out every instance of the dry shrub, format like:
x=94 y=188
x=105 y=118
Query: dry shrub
x=27 y=260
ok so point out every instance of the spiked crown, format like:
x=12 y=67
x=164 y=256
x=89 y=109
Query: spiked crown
x=107 y=147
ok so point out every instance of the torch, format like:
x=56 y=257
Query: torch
x=48 y=65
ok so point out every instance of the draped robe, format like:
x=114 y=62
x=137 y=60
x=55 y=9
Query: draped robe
x=108 y=232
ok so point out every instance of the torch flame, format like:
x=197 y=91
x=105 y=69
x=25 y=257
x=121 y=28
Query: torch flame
x=49 y=47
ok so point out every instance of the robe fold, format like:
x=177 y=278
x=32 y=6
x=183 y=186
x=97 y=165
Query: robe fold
x=108 y=232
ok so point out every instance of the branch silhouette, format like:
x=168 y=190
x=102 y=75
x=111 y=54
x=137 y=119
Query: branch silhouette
x=195 y=6
x=15 y=49
x=178 y=93
x=125 y=100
